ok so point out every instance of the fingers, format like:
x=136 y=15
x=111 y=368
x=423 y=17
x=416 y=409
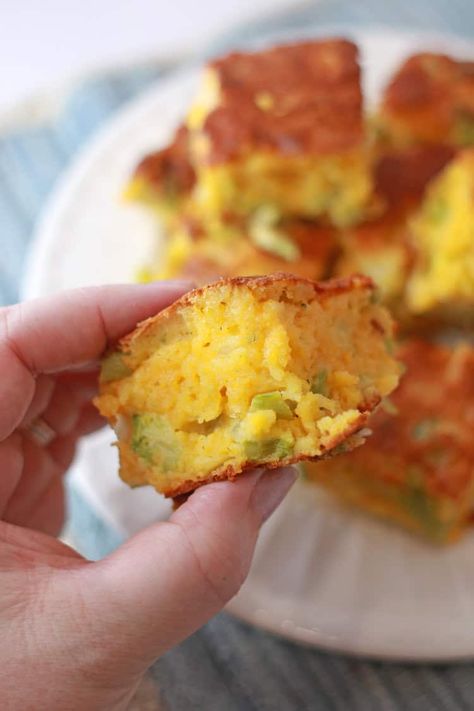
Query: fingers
x=39 y=469
x=168 y=580
x=30 y=470
x=45 y=385
x=65 y=406
x=89 y=421
x=36 y=502
x=11 y=468
x=53 y=334
x=51 y=551
x=61 y=400
x=48 y=513
x=74 y=327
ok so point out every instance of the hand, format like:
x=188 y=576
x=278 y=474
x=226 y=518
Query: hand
x=76 y=634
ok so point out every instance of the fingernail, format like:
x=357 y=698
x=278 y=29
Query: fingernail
x=271 y=489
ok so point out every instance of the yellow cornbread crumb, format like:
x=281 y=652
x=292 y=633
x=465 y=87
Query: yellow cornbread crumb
x=257 y=424
x=337 y=185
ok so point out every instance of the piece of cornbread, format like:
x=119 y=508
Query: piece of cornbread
x=247 y=372
x=304 y=247
x=417 y=468
x=430 y=99
x=282 y=127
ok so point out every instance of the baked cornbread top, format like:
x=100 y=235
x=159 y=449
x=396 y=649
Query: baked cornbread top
x=279 y=286
x=431 y=98
x=431 y=432
x=300 y=99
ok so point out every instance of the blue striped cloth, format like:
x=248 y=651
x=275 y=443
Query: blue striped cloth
x=227 y=665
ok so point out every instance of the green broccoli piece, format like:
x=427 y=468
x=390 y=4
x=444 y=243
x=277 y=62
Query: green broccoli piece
x=423 y=509
x=319 y=385
x=154 y=440
x=272 y=401
x=265 y=234
x=113 y=367
x=268 y=449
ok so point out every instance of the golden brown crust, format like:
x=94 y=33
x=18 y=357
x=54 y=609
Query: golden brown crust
x=300 y=99
x=169 y=171
x=320 y=290
x=402 y=175
x=428 y=94
x=315 y=241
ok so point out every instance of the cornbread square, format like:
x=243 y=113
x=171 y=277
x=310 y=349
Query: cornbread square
x=282 y=127
x=430 y=99
x=442 y=232
x=381 y=248
x=246 y=372
x=417 y=468
x=304 y=247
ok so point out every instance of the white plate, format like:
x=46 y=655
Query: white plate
x=322 y=575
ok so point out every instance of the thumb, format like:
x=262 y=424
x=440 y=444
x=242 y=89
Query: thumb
x=168 y=580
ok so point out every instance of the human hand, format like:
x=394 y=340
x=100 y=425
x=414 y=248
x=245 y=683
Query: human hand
x=76 y=634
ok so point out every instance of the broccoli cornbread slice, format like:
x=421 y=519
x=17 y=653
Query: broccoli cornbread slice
x=417 y=468
x=231 y=377
x=282 y=127
x=443 y=236
x=430 y=99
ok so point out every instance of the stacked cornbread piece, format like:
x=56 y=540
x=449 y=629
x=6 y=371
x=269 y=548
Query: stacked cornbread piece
x=418 y=467
x=420 y=250
x=278 y=167
x=271 y=159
